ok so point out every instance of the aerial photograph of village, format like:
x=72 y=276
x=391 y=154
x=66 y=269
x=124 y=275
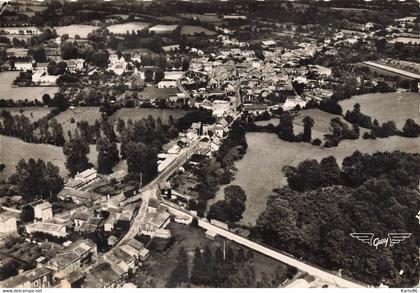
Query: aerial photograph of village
x=210 y=144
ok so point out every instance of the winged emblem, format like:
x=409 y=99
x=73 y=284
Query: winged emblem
x=364 y=237
x=391 y=240
x=395 y=238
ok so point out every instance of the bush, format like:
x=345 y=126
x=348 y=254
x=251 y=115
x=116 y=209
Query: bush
x=316 y=141
x=72 y=120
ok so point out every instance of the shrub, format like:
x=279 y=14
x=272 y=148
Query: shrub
x=316 y=141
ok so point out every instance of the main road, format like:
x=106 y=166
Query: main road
x=289 y=260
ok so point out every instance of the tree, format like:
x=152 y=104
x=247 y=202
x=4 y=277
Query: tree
x=57 y=135
x=76 y=150
x=232 y=207
x=46 y=99
x=35 y=179
x=185 y=63
x=331 y=106
x=107 y=155
x=308 y=123
x=141 y=159
x=100 y=58
x=148 y=75
x=285 y=127
x=156 y=44
x=197 y=272
x=39 y=54
x=60 y=101
x=179 y=275
x=159 y=75
x=411 y=128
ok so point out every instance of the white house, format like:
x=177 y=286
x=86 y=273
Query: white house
x=42 y=210
x=41 y=76
x=166 y=84
x=7 y=223
x=57 y=230
x=220 y=107
x=24 y=66
x=117 y=65
x=74 y=65
x=87 y=176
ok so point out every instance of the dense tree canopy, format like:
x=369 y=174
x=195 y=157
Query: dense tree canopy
x=75 y=151
x=231 y=208
x=373 y=193
x=37 y=179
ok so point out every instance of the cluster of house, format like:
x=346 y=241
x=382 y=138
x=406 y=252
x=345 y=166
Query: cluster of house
x=82 y=179
x=40 y=75
x=238 y=73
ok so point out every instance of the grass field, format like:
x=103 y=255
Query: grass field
x=89 y=114
x=154 y=93
x=321 y=127
x=268 y=154
x=159 y=265
x=140 y=113
x=191 y=30
x=21 y=93
x=129 y=26
x=388 y=106
x=75 y=29
x=163 y=28
x=33 y=113
x=13 y=149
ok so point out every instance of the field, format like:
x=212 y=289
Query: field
x=129 y=26
x=159 y=265
x=153 y=93
x=75 y=29
x=405 y=40
x=13 y=149
x=33 y=113
x=168 y=18
x=191 y=30
x=322 y=122
x=90 y=114
x=385 y=107
x=21 y=93
x=140 y=113
x=268 y=154
x=163 y=29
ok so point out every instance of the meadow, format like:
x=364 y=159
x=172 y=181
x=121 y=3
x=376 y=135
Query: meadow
x=33 y=113
x=12 y=150
x=389 y=106
x=127 y=27
x=22 y=93
x=191 y=30
x=162 y=29
x=75 y=29
x=268 y=154
x=89 y=114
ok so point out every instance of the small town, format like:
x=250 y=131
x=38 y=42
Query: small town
x=195 y=144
